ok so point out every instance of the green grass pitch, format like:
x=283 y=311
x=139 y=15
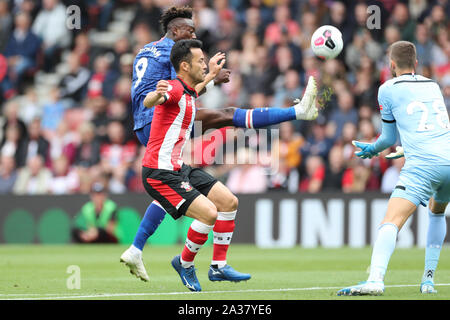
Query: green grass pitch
x=40 y=272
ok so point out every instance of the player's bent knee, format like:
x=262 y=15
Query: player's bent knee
x=228 y=204
x=233 y=204
x=210 y=216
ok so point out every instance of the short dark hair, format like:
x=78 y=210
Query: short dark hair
x=181 y=51
x=403 y=53
x=173 y=13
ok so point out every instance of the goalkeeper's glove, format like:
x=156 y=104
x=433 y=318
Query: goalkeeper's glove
x=399 y=152
x=367 y=150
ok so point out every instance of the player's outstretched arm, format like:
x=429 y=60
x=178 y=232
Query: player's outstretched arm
x=159 y=96
x=215 y=118
x=387 y=138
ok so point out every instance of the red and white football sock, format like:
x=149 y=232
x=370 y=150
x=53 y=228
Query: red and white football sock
x=196 y=237
x=223 y=232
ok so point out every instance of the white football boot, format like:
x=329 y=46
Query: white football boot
x=132 y=257
x=305 y=109
x=371 y=288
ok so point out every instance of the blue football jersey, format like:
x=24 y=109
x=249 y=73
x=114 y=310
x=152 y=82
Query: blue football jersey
x=417 y=106
x=151 y=64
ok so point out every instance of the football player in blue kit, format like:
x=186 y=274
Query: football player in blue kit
x=413 y=106
x=151 y=65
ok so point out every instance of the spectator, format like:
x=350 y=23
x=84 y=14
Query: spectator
x=283 y=60
x=73 y=85
x=63 y=143
x=207 y=16
x=290 y=159
x=52 y=112
x=36 y=143
x=22 y=49
x=446 y=91
x=8 y=174
x=121 y=48
x=101 y=14
x=14 y=145
x=98 y=108
x=361 y=15
x=227 y=35
x=441 y=53
x=82 y=48
x=261 y=75
x=64 y=180
x=391 y=34
x=149 y=13
x=97 y=220
x=88 y=151
x=424 y=46
x=247 y=176
x=390 y=177
x=134 y=175
x=119 y=111
x=315 y=175
x=338 y=18
x=5 y=23
x=11 y=112
x=335 y=170
x=282 y=21
x=7 y=91
x=363 y=45
x=34 y=178
x=290 y=89
x=346 y=112
x=355 y=177
x=50 y=25
x=253 y=23
x=286 y=42
x=117 y=152
x=400 y=17
x=349 y=133
x=308 y=26
x=317 y=144
x=30 y=105
x=102 y=80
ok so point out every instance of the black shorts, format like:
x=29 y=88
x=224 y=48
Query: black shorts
x=175 y=190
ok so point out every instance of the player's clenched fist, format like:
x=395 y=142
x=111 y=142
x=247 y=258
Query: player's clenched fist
x=162 y=87
x=158 y=96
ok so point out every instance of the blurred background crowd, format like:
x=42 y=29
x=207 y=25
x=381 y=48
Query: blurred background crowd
x=65 y=93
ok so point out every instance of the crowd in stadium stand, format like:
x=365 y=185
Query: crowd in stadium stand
x=58 y=136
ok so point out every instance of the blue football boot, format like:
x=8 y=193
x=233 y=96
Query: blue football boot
x=187 y=275
x=226 y=273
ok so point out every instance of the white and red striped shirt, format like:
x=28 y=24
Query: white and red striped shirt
x=171 y=127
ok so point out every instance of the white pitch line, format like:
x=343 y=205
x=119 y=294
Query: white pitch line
x=50 y=296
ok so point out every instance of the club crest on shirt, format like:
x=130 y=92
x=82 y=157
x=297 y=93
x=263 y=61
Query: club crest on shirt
x=185 y=185
x=381 y=107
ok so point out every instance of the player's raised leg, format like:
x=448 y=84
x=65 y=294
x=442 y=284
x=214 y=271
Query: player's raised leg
x=437 y=229
x=303 y=109
x=205 y=214
x=226 y=203
x=398 y=212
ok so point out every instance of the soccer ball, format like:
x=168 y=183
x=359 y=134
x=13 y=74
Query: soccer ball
x=326 y=42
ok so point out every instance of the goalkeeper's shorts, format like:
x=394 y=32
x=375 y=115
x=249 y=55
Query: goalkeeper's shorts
x=419 y=183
